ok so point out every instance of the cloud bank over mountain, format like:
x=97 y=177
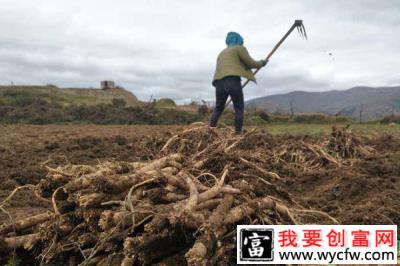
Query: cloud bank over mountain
x=169 y=48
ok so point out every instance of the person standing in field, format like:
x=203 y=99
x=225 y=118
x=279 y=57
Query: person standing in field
x=233 y=63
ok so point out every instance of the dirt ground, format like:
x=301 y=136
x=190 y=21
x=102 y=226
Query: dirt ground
x=365 y=190
x=354 y=193
x=24 y=149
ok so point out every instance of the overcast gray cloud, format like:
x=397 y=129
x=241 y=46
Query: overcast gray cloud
x=169 y=48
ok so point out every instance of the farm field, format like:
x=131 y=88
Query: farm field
x=352 y=177
x=25 y=148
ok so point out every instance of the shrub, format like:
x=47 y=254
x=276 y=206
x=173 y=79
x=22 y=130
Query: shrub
x=310 y=118
x=19 y=98
x=390 y=119
x=280 y=118
x=202 y=110
x=165 y=102
x=254 y=120
x=118 y=102
x=263 y=115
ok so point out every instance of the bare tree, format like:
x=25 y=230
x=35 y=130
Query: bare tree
x=361 y=112
x=151 y=103
x=291 y=109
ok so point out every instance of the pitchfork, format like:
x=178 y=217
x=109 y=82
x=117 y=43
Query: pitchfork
x=298 y=24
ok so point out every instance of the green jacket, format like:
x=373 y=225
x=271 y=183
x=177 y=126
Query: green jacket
x=235 y=61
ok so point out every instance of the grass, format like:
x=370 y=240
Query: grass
x=81 y=99
x=324 y=129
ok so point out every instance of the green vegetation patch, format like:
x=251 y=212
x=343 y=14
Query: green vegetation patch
x=165 y=102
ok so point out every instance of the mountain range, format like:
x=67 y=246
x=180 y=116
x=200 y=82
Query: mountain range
x=368 y=102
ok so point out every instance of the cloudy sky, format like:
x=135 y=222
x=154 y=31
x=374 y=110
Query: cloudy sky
x=169 y=48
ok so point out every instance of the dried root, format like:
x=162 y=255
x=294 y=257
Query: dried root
x=344 y=144
x=182 y=205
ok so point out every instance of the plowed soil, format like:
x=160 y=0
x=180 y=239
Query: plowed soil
x=24 y=149
x=366 y=192
x=364 y=188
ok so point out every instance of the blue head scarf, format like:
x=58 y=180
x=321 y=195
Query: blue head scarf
x=233 y=38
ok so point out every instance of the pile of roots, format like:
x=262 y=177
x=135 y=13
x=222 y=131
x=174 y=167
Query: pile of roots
x=180 y=208
x=345 y=144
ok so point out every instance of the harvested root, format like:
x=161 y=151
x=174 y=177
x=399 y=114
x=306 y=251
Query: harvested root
x=182 y=206
x=194 y=195
x=247 y=209
x=344 y=144
x=204 y=247
x=26 y=223
x=258 y=168
x=27 y=241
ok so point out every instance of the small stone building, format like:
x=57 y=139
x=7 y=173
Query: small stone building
x=107 y=84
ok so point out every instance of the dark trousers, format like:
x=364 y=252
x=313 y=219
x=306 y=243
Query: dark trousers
x=228 y=86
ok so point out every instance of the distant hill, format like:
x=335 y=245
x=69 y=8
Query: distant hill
x=374 y=102
x=49 y=104
x=65 y=96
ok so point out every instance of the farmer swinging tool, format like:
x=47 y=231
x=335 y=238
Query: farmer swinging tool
x=298 y=24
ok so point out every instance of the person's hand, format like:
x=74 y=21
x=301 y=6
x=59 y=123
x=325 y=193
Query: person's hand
x=264 y=62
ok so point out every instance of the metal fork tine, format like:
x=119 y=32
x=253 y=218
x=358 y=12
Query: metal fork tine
x=304 y=31
x=299 y=31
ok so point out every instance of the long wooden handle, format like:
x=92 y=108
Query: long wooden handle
x=270 y=54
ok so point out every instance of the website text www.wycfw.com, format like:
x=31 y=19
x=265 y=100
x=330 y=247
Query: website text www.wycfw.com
x=337 y=256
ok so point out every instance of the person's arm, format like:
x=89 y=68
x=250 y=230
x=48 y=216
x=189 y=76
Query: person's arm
x=248 y=60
